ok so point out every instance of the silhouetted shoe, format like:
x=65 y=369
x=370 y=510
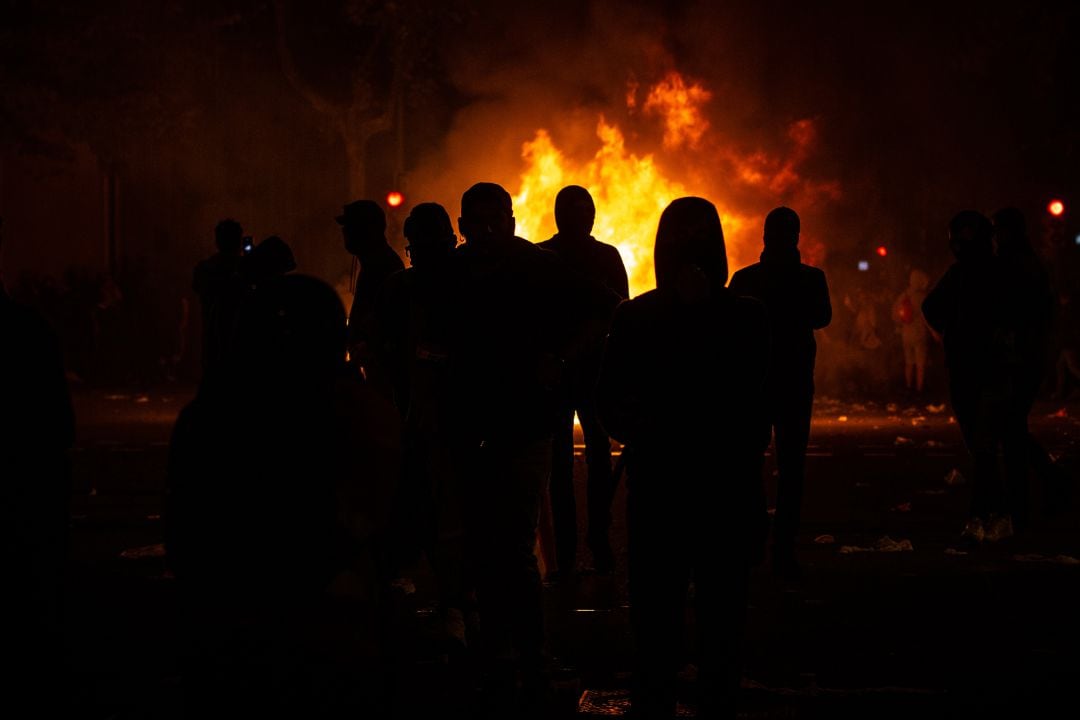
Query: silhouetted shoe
x=998 y=529
x=974 y=531
x=784 y=565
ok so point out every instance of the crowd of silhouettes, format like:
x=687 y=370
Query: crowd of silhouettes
x=327 y=452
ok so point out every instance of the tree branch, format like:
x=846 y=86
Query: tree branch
x=288 y=66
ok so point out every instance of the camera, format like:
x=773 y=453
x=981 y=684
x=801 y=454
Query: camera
x=249 y=244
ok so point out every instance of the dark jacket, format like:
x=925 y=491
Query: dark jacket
x=797 y=299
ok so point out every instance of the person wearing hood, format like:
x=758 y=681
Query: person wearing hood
x=914 y=335
x=592 y=261
x=682 y=386
x=797 y=298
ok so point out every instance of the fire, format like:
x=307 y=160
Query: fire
x=631 y=188
x=679 y=105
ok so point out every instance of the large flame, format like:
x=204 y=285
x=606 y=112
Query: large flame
x=630 y=192
x=631 y=189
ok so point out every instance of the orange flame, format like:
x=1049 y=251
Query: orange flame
x=679 y=105
x=629 y=190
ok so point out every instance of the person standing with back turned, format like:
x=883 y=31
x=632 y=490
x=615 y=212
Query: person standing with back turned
x=797 y=298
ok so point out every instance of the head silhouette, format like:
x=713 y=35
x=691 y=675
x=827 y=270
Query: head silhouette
x=273 y=256
x=690 y=256
x=782 y=229
x=363 y=225
x=487 y=216
x=1010 y=232
x=971 y=236
x=290 y=337
x=574 y=212
x=429 y=232
x=229 y=237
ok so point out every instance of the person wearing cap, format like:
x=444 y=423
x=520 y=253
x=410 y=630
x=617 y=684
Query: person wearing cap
x=413 y=324
x=363 y=226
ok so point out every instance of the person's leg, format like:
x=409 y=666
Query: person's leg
x=720 y=584
x=659 y=577
x=921 y=352
x=563 y=503
x=792 y=436
x=601 y=487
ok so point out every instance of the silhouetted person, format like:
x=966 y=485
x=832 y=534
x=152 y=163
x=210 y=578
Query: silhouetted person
x=37 y=427
x=270 y=259
x=277 y=480
x=414 y=324
x=1028 y=312
x=221 y=285
x=363 y=225
x=599 y=262
x=682 y=386
x=797 y=298
x=914 y=335
x=510 y=341
x=965 y=309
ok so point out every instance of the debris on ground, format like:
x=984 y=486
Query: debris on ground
x=902 y=441
x=902 y=508
x=1038 y=558
x=935 y=491
x=954 y=478
x=916 y=421
x=142 y=399
x=933 y=444
x=885 y=544
x=892 y=407
x=1062 y=413
x=954 y=551
x=143 y=552
x=935 y=409
x=825 y=540
x=842 y=418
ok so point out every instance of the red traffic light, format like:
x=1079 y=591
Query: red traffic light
x=1056 y=208
x=395 y=199
x=882 y=251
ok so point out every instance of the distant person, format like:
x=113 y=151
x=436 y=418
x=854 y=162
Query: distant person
x=221 y=285
x=598 y=262
x=1067 y=366
x=511 y=340
x=278 y=479
x=965 y=309
x=1028 y=313
x=914 y=334
x=363 y=225
x=683 y=387
x=414 y=323
x=37 y=427
x=797 y=298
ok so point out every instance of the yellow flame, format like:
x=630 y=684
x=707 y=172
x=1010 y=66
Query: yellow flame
x=630 y=192
x=679 y=105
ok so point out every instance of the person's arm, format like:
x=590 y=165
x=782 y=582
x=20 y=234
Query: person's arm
x=936 y=306
x=820 y=306
x=622 y=282
x=617 y=404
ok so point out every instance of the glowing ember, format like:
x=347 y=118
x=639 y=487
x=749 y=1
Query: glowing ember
x=395 y=199
x=1056 y=208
